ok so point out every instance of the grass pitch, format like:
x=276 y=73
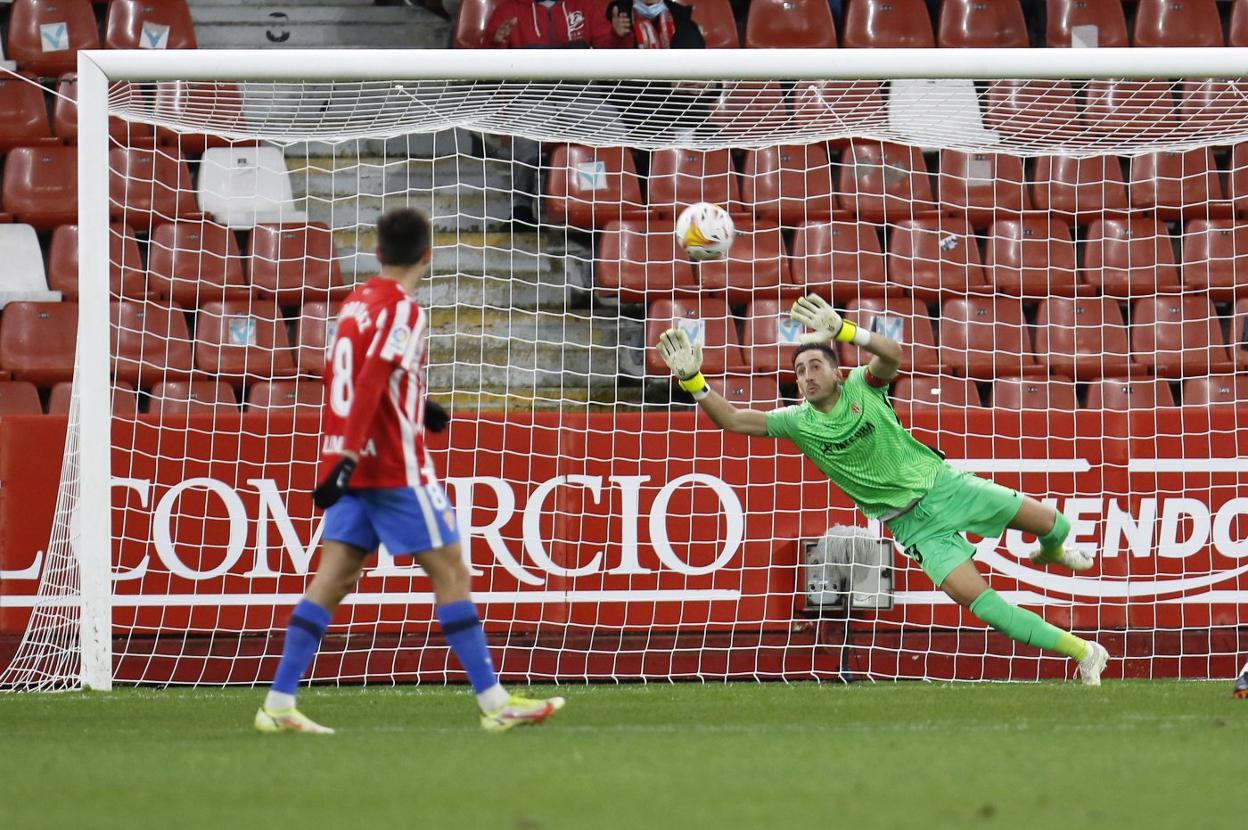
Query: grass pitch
x=890 y=755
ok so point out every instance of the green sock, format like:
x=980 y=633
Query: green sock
x=1025 y=627
x=1053 y=540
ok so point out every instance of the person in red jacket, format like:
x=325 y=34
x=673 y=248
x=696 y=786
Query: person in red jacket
x=528 y=24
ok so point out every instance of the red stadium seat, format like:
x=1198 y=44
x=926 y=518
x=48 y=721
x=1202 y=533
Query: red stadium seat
x=294 y=261
x=840 y=260
x=237 y=339
x=125 y=399
x=150 y=342
x=934 y=257
x=1086 y=23
x=65 y=117
x=1129 y=108
x=1216 y=389
x=790 y=23
x=982 y=185
x=974 y=23
x=748 y=391
x=1205 y=106
x=927 y=391
x=1238 y=34
x=23 y=114
x=149 y=186
x=1239 y=335
x=986 y=337
x=470 y=23
x=891 y=24
x=715 y=19
x=1082 y=338
x=707 y=321
x=640 y=257
x=880 y=181
x=1178 y=336
x=1129 y=258
x=125 y=265
x=41 y=185
x=218 y=103
x=19 y=398
x=679 y=178
x=37 y=341
x=771 y=338
x=198 y=397
x=1174 y=183
x=1122 y=394
x=1177 y=23
x=590 y=187
x=1014 y=394
x=194 y=263
x=1031 y=256
x=293 y=396
x=791 y=184
x=44 y=36
x=1029 y=111
x=756 y=266
x=1239 y=178
x=315 y=335
x=149 y=24
x=1078 y=186
x=749 y=107
x=902 y=318
x=1215 y=258
x=845 y=106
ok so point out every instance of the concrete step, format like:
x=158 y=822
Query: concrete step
x=198 y=4
x=303 y=26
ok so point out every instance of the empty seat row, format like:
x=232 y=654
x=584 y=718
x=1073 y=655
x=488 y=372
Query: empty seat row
x=1012 y=394
x=19 y=397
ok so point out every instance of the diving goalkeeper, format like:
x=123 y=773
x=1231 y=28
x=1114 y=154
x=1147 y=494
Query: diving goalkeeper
x=850 y=431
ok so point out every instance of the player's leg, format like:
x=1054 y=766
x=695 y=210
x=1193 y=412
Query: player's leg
x=1241 y=684
x=1051 y=529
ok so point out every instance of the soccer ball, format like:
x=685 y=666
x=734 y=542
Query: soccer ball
x=705 y=231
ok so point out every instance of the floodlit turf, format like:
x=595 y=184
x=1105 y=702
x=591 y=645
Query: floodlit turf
x=1136 y=754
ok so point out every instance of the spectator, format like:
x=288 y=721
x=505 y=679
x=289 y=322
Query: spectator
x=549 y=24
x=661 y=24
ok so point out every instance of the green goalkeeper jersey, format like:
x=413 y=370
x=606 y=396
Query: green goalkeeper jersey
x=862 y=446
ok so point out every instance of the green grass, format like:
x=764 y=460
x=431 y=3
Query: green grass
x=1130 y=754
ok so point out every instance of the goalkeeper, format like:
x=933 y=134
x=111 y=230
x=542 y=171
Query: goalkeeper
x=850 y=431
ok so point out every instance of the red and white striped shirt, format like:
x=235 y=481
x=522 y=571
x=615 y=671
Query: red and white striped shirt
x=375 y=390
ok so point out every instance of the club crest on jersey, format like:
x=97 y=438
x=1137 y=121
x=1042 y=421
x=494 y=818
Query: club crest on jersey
x=855 y=408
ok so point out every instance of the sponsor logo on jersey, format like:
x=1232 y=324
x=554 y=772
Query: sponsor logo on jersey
x=829 y=447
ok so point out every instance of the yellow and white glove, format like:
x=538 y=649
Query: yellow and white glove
x=685 y=360
x=813 y=312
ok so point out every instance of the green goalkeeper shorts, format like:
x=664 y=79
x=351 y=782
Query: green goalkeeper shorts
x=931 y=532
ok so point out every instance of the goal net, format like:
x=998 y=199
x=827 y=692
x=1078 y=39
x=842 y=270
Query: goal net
x=1062 y=248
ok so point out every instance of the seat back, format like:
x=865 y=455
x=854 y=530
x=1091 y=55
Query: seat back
x=879 y=180
x=1031 y=256
x=23 y=114
x=894 y=24
x=1086 y=23
x=1122 y=394
x=905 y=320
x=982 y=185
x=591 y=187
x=1029 y=111
x=65 y=116
x=804 y=24
x=1173 y=183
x=716 y=21
x=681 y=177
x=1178 y=336
x=1237 y=35
x=244 y=186
x=197 y=397
x=126 y=275
x=706 y=321
x=218 y=102
x=149 y=24
x=294 y=261
x=756 y=265
x=1215 y=258
x=44 y=36
x=470 y=23
x=748 y=391
x=37 y=341
x=1082 y=337
x=40 y=185
x=296 y=397
x=771 y=338
x=237 y=339
x=1215 y=389
x=1177 y=23
x=1014 y=394
x=195 y=262
x=640 y=257
x=125 y=399
x=23 y=262
x=986 y=337
x=976 y=24
x=1129 y=257
x=315 y=335
x=928 y=391
x=19 y=397
x=1078 y=186
x=840 y=260
x=1129 y=108
x=790 y=184
x=934 y=257
x=147 y=186
x=150 y=342
x=838 y=105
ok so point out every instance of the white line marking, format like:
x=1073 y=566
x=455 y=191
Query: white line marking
x=1021 y=465
x=1187 y=465
x=422 y=598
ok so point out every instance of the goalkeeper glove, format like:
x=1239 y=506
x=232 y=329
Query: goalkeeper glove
x=435 y=416
x=813 y=312
x=685 y=360
x=335 y=484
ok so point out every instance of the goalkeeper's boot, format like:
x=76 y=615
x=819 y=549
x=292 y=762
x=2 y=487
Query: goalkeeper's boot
x=1091 y=666
x=1241 y=687
x=520 y=711
x=288 y=720
x=1068 y=556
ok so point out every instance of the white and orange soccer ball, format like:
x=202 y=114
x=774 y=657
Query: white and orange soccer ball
x=705 y=231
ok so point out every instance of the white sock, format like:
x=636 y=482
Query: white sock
x=279 y=701
x=493 y=699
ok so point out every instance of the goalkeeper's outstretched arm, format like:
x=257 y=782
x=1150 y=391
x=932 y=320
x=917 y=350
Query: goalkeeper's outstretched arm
x=685 y=360
x=827 y=325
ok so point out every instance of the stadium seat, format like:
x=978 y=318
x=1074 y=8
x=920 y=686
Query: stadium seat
x=65 y=117
x=1129 y=109
x=150 y=342
x=44 y=36
x=1178 y=336
x=902 y=318
x=149 y=24
x=1082 y=338
x=591 y=187
x=19 y=398
x=640 y=257
x=1025 y=112
x=1239 y=178
x=895 y=24
x=974 y=23
x=933 y=257
x=771 y=338
x=125 y=399
x=1215 y=258
x=1129 y=258
x=238 y=338
x=470 y=23
x=1238 y=30
x=23 y=114
x=840 y=260
x=296 y=397
x=790 y=23
x=1122 y=394
x=294 y=262
x=194 y=263
x=127 y=277
x=1031 y=256
x=1086 y=23
x=315 y=335
x=986 y=337
x=1215 y=389
x=707 y=321
x=1175 y=183
x=926 y=391
x=1014 y=394
x=680 y=177
x=240 y=187
x=197 y=397
x=1205 y=106
x=843 y=106
x=757 y=265
x=715 y=19
x=1078 y=186
x=748 y=391
x=22 y=277
x=148 y=186
x=37 y=341
x=1177 y=23
x=220 y=103
x=790 y=184
x=41 y=185
x=982 y=185
x=749 y=107
x=878 y=181
x=1239 y=335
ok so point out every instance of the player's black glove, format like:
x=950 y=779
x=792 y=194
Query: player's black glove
x=435 y=416
x=335 y=484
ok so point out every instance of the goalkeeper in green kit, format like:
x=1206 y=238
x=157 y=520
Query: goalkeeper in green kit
x=850 y=431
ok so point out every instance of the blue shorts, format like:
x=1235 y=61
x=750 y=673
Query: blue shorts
x=406 y=520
